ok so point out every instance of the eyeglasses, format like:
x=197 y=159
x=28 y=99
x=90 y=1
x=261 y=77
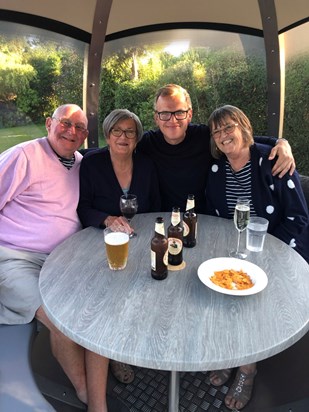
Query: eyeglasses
x=179 y=115
x=228 y=129
x=129 y=134
x=67 y=125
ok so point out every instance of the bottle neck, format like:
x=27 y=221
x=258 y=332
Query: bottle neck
x=159 y=229
x=175 y=220
x=190 y=205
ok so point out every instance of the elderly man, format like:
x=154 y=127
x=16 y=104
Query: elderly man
x=39 y=192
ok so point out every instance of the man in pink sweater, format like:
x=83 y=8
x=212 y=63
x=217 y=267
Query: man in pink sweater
x=39 y=192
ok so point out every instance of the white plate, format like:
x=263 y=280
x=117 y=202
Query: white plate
x=257 y=275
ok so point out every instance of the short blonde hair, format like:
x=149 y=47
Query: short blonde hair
x=172 y=90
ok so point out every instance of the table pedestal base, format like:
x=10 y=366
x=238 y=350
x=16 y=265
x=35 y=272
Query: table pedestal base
x=173 y=396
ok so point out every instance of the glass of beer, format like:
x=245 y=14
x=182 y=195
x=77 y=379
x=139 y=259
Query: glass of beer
x=117 y=247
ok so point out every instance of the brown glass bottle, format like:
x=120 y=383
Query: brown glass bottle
x=159 y=247
x=189 y=223
x=175 y=239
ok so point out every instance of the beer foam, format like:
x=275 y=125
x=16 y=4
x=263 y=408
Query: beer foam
x=116 y=238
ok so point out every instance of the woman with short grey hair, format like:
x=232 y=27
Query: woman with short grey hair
x=117 y=116
x=108 y=173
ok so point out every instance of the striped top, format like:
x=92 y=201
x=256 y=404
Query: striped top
x=238 y=185
x=68 y=163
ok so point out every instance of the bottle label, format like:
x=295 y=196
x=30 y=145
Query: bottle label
x=186 y=229
x=165 y=258
x=174 y=246
x=153 y=260
x=175 y=218
x=190 y=204
x=153 y=257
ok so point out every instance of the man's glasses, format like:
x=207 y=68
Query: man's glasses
x=67 y=125
x=179 y=115
x=228 y=129
x=129 y=134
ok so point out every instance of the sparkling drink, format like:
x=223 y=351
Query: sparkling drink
x=241 y=219
x=241 y=216
x=117 y=249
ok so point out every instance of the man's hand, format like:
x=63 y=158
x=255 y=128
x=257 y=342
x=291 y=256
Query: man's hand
x=285 y=162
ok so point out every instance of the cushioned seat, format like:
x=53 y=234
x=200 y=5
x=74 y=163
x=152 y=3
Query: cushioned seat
x=18 y=389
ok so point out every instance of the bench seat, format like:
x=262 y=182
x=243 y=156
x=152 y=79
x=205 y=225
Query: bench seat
x=18 y=389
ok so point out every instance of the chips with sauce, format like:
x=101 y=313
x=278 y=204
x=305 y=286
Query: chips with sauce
x=232 y=279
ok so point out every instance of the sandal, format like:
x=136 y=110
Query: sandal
x=122 y=372
x=220 y=377
x=240 y=390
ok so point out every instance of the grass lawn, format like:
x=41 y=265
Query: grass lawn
x=14 y=135
x=11 y=136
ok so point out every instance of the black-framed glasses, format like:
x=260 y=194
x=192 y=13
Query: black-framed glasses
x=129 y=134
x=228 y=129
x=179 y=115
x=67 y=124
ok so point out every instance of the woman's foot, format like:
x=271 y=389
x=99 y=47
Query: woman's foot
x=240 y=392
x=220 y=377
x=122 y=372
x=82 y=396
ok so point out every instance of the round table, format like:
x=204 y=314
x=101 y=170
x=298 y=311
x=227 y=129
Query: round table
x=177 y=324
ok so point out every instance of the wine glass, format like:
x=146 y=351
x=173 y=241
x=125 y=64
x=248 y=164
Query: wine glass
x=241 y=220
x=128 y=207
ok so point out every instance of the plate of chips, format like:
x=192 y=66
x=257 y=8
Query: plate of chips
x=232 y=276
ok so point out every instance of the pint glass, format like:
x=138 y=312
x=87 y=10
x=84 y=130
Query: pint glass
x=117 y=248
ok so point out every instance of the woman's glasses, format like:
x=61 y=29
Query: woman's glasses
x=228 y=129
x=129 y=134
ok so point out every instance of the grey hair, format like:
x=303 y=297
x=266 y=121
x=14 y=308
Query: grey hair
x=118 y=115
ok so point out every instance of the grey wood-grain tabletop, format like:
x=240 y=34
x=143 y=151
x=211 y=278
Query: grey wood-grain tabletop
x=179 y=323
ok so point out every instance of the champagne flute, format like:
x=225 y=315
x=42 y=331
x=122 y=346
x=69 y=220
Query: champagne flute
x=128 y=207
x=241 y=220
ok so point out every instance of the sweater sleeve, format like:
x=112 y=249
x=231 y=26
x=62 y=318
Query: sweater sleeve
x=14 y=177
x=270 y=141
x=281 y=201
x=295 y=218
x=89 y=216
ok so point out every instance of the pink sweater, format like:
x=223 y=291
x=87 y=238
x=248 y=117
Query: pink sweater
x=38 y=197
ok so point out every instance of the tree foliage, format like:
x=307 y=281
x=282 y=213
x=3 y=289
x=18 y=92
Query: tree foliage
x=211 y=78
x=296 y=125
x=36 y=76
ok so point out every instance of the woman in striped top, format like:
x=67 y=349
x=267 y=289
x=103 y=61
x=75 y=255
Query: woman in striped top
x=242 y=169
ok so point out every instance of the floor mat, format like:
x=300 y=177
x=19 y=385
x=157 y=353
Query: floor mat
x=149 y=392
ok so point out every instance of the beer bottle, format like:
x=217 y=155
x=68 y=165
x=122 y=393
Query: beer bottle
x=189 y=223
x=175 y=238
x=159 y=246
